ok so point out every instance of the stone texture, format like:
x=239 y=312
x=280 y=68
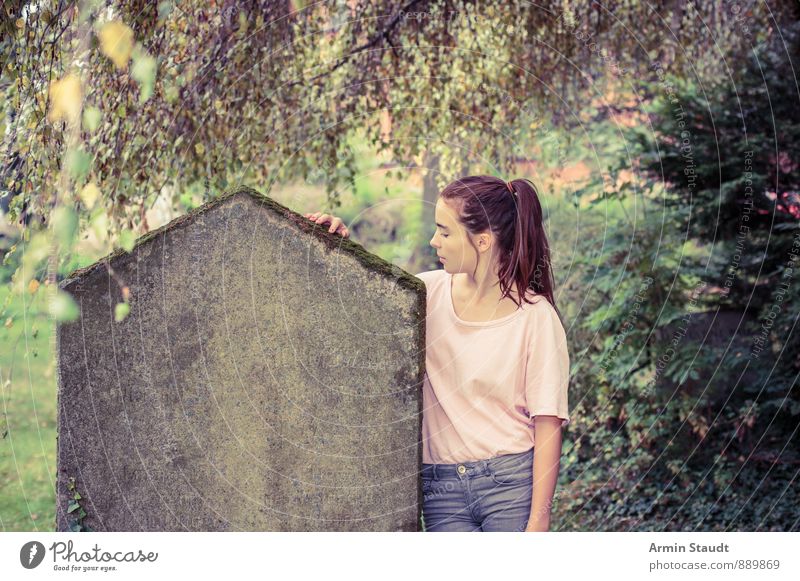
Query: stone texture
x=267 y=378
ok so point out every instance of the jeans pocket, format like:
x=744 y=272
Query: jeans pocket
x=513 y=474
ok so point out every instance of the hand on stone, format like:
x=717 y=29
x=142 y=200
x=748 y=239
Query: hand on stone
x=336 y=223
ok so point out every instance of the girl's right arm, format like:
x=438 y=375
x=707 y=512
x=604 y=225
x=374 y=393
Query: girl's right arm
x=336 y=223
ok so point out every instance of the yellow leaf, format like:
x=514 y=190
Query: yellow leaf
x=9 y=322
x=116 y=42
x=65 y=95
x=199 y=148
x=89 y=195
x=33 y=286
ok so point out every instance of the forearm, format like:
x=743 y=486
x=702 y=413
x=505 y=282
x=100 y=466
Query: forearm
x=546 y=463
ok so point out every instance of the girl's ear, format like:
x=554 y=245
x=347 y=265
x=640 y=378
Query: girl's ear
x=484 y=241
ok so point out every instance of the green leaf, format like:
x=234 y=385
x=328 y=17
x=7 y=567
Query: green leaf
x=73 y=506
x=121 y=311
x=78 y=162
x=99 y=222
x=171 y=93
x=74 y=526
x=165 y=8
x=127 y=240
x=144 y=71
x=63 y=307
x=91 y=119
x=65 y=225
x=82 y=513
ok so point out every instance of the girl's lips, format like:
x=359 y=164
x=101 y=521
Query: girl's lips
x=441 y=259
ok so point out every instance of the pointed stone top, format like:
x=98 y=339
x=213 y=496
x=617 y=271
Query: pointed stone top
x=332 y=241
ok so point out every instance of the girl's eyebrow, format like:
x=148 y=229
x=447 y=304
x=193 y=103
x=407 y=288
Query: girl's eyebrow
x=442 y=226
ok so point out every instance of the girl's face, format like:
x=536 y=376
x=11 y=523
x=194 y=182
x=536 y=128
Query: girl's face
x=452 y=241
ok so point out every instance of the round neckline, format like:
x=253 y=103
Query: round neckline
x=460 y=321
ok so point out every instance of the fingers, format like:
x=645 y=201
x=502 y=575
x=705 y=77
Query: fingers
x=318 y=217
x=336 y=224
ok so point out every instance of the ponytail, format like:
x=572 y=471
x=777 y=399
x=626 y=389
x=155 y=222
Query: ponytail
x=529 y=263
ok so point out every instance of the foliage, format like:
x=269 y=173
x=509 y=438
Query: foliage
x=177 y=93
x=682 y=429
x=75 y=510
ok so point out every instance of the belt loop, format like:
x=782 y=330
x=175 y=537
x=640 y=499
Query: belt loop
x=435 y=475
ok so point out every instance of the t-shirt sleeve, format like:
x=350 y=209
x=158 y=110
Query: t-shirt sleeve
x=547 y=371
x=428 y=276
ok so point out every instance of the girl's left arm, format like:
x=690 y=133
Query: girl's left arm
x=546 y=463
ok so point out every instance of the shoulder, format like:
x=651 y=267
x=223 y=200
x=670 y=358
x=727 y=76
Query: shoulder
x=538 y=304
x=542 y=313
x=431 y=277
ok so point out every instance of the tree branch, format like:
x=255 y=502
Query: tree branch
x=384 y=34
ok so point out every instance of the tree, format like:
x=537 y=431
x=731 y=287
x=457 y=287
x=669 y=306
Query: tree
x=177 y=93
x=688 y=354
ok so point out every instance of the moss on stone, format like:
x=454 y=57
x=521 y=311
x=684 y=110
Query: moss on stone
x=331 y=240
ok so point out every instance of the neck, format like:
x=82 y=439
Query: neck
x=484 y=286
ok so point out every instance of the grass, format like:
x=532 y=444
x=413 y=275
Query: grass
x=28 y=421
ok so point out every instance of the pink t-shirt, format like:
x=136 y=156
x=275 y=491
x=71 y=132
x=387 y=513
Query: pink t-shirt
x=485 y=381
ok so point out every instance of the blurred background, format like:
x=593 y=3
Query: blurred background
x=663 y=139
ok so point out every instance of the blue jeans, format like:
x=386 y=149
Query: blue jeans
x=485 y=495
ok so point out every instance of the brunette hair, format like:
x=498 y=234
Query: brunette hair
x=512 y=212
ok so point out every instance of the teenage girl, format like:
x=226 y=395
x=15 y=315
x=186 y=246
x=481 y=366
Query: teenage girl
x=497 y=366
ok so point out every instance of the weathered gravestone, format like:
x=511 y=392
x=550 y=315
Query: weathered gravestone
x=267 y=378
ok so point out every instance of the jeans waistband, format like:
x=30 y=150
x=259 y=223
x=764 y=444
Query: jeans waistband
x=477 y=467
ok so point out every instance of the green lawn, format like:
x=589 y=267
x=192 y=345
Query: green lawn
x=28 y=420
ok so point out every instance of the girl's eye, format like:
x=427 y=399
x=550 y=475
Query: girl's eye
x=444 y=235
